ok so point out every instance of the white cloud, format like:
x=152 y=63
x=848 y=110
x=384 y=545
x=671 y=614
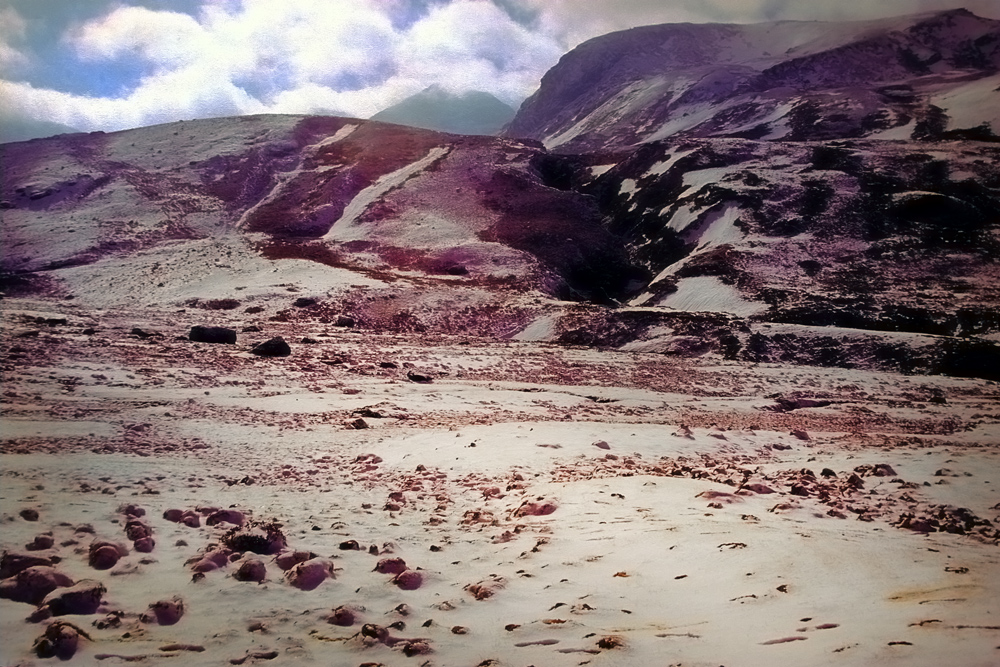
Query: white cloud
x=164 y=39
x=12 y=30
x=297 y=56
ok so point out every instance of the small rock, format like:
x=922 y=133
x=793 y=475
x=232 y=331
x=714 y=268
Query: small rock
x=418 y=377
x=801 y=434
x=29 y=514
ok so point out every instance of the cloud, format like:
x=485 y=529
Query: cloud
x=176 y=59
x=12 y=31
x=352 y=57
x=164 y=39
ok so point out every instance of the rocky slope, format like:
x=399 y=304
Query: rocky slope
x=373 y=199
x=927 y=75
x=876 y=252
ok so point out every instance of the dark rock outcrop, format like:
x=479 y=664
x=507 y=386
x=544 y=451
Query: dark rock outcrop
x=201 y=334
x=274 y=347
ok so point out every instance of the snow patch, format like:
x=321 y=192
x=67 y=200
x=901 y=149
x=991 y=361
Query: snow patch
x=719 y=228
x=385 y=183
x=696 y=180
x=661 y=168
x=628 y=187
x=971 y=104
x=542 y=328
x=711 y=295
x=601 y=169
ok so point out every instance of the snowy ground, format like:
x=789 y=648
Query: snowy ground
x=553 y=505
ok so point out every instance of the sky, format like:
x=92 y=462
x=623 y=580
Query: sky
x=116 y=64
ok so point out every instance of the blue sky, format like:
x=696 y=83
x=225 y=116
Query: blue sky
x=114 y=64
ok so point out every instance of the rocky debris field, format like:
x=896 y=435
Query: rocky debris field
x=355 y=497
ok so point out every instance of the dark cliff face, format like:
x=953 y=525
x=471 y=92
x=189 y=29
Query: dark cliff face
x=785 y=80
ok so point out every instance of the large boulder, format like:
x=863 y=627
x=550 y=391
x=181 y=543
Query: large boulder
x=275 y=347
x=201 y=334
x=33 y=584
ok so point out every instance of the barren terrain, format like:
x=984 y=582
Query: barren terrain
x=549 y=504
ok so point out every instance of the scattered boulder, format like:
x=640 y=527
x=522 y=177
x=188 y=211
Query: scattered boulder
x=235 y=517
x=256 y=537
x=221 y=335
x=40 y=542
x=132 y=510
x=31 y=585
x=274 y=347
x=343 y=617
x=167 y=612
x=419 y=377
x=187 y=517
x=84 y=597
x=345 y=321
x=61 y=640
x=391 y=566
x=308 y=575
x=144 y=545
x=289 y=559
x=305 y=302
x=11 y=563
x=251 y=569
x=136 y=529
x=29 y=514
x=409 y=580
x=104 y=555
x=541 y=508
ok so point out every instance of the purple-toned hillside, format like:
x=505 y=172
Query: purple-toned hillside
x=932 y=75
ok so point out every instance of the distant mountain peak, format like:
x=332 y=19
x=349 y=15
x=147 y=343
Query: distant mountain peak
x=435 y=108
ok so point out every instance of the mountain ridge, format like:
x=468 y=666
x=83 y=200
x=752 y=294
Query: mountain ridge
x=817 y=244
x=654 y=82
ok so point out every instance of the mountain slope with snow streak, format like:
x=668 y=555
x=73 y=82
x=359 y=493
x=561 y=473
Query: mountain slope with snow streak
x=785 y=80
